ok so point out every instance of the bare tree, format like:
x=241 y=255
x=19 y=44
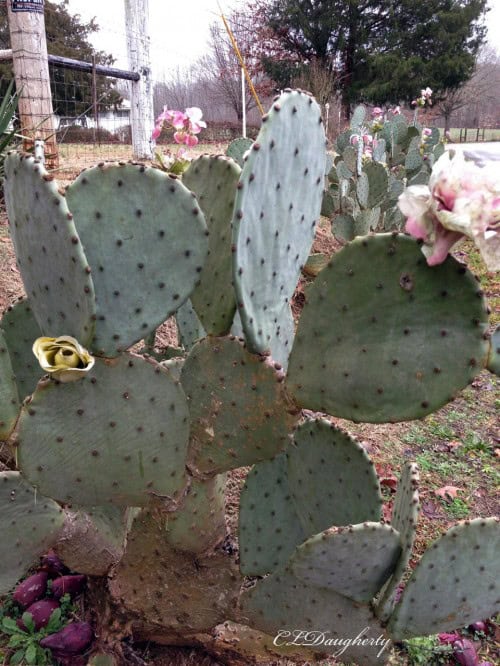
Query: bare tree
x=221 y=68
x=478 y=98
x=179 y=91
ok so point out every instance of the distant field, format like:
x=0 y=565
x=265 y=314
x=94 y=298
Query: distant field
x=489 y=135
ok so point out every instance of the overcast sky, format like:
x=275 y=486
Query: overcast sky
x=179 y=30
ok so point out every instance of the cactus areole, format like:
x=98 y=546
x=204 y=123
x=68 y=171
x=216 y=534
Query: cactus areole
x=123 y=469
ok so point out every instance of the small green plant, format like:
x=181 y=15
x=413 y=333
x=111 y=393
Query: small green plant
x=25 y=644
x=22 y=646
x=426 y=650
x=457 y=508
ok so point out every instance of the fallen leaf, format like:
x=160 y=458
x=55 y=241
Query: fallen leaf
x=447 y=492
x=453 y=444
x=431 y=510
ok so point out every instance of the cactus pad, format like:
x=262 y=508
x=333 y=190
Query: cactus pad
x=50 y=256
x=146 y=241
x=9 y=399
x=237 y=149
x=283 y=606
x=494 y=353
x=332 y=479
x=455 y=583
x=354 y=561
x=29 y=524
x=21 y=330
x=189 y=326
x=199 y=524
x=404 y=520
x=213 y=179
x=269 y=529
x=239 y=410
x=119 y=435
x=390 y=344
x=277 y=205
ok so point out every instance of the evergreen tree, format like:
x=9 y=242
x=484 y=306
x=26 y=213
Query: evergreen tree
x=376 y=50
x=67 y=36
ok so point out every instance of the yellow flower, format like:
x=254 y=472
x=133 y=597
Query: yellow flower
x=64 y=357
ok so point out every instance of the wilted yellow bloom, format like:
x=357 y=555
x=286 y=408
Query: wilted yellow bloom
x=64 y=357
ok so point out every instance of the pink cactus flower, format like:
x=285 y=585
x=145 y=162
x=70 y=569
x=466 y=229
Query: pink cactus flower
x=377 y=111
x=187 y=124
x=461 y=200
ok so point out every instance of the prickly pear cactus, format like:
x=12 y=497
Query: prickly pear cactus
x=137 y=286
x=30 y=524
x=275 y=217
x=51 y=259
x=137 y=446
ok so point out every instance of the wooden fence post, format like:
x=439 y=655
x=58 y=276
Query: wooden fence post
x=141 y=103
x=31 y=71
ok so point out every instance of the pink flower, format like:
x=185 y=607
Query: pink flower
x=396 y=110
x=194 y=115
x=427 y=131
x=377 y=111
x=461 y=200
x=186 y=124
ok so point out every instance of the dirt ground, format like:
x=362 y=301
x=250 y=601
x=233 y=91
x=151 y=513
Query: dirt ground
x=457 y=448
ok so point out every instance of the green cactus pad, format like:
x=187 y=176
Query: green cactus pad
x=189 y=326
x=50 y=256
x=454 y=584
x=363 y=189
x=237 y=149
x=390 y=344
x=328 y=204
x=350 y=157
x=494 y=353
x=29 y=524
x=269 y=528
x=404 y=519
x=343 y=171
x=343 y=227
x=277 y=205
x=239 y=409
x=284 y=607
x=21 y=330
x=332 y=479
x=378 y=179
x=119 y=435
x=379 y=149
x=315 y=264
x=413 y=161
x=199 y=524
x=213 y=179
x=358 y=117
x=146 y=240
x=354 y=561
x=9 y=399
